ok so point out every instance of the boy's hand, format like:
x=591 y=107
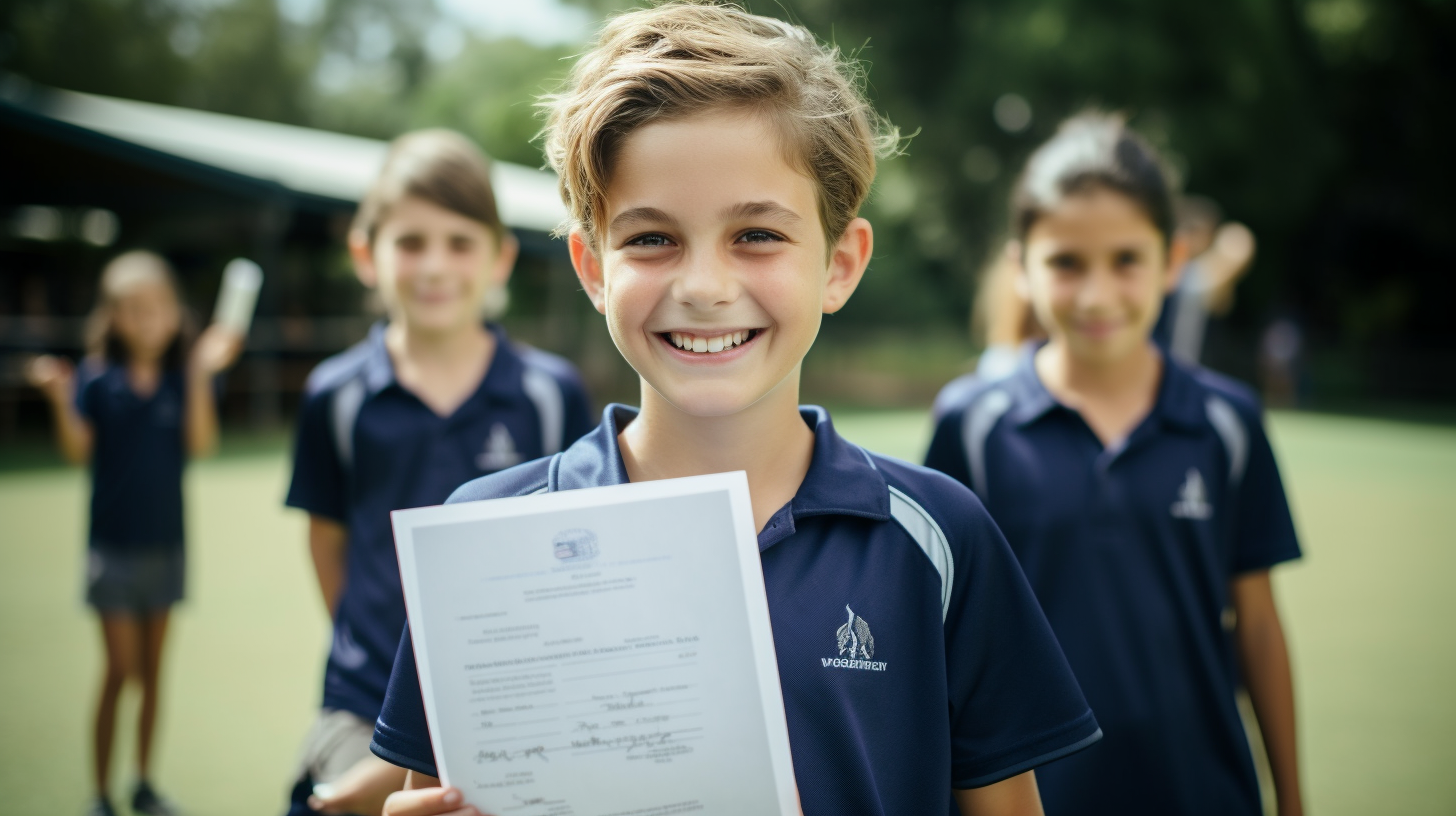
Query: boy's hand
x=360 y=790
x=429 y=802
x=216 y=349
x=53 y=376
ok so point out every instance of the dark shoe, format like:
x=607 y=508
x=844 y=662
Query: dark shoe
x=101 y=806
x=147 y=802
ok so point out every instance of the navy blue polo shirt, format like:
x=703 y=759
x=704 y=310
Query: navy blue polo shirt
x=971 y=686
x=1131 y=550
x=367 y=446
x=136 y=459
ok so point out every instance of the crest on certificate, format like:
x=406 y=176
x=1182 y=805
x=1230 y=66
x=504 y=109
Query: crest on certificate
x=576 y=544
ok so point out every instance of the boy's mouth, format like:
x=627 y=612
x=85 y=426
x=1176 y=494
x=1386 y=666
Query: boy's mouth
x=709 y=343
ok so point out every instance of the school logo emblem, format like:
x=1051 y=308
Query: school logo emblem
x=856 y=646
x=500 y=450
x=575 y=545
x=1192 y=498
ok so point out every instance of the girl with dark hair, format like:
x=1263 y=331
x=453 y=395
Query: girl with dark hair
x=1140 y=495
x=144 y=405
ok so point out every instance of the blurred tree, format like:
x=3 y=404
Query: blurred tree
x=489 y=91
x=116 y=47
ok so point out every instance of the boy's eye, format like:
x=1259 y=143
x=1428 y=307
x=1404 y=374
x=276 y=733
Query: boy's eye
x=651 y=239
x=1127 y=257
x=410 y=243
x=758 y=236
x=461 y=243
x=1064 y=262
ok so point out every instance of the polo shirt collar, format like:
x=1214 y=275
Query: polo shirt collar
x=842 y=479
x=502 y=379
x=1178 y=403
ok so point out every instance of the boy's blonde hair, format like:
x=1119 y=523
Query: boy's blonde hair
x=682 y=58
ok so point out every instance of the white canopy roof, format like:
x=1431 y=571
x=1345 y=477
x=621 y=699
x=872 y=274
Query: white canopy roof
x=305 y=160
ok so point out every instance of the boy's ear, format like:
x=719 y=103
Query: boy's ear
x=505 y=258
x=847 y=264
x=588 y=269
x=1178 y=251
x=363 y=257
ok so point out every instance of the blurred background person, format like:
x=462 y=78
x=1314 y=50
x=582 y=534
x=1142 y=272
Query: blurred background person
x=1140 y=495
x=1281 y=348
x=432 y=398
x=1220 y=255
x=1004 y=324
x=143 y=405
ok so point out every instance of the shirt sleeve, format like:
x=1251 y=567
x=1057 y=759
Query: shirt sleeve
x=401 y=734
x=1014 y=703
x=1264 y=529
x=318 y=476
x=947 y=452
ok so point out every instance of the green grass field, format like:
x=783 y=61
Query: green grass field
x=1370 y=613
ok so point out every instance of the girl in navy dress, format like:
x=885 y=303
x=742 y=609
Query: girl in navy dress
x=141 y=404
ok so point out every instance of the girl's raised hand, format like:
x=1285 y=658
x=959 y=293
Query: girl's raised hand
x=428 y=802
x=54 y=376
x=216 y=349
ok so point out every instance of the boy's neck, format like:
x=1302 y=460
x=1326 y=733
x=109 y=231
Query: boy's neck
x=442 y=369
x=1112 y=396
x=144 y=374
x=768 y=440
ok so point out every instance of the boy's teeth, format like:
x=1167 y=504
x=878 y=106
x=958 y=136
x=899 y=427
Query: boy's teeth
x=708 y=345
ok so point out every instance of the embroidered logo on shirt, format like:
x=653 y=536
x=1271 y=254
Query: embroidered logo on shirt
x=571 y=546
x=856 y=646
x=500 y=450
x=1192 y=498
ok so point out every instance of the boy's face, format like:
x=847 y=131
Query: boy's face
x=433 y=267
x=712 y=266
x=1095 y=270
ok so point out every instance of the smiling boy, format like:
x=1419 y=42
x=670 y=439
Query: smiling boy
x=713 y=163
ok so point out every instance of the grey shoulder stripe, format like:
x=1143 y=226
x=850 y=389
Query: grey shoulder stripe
x=980 y=418
x=545 y=393
x=343 y=413
x=921 y=527
x=1225 y=420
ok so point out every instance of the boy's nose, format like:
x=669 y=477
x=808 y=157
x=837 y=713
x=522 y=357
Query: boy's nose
x=705 y=281
x=1099 y=289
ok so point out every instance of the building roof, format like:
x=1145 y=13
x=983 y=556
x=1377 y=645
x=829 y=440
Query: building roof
x=307 y=161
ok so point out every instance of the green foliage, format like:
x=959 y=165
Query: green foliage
x=489 y=92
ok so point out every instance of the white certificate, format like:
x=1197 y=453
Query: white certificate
x=599 y=652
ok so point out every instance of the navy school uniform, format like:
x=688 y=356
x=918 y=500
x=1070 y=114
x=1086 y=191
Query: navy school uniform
x=136 y=461
x=1130 y=550
x=965 y=685
x=367 y=446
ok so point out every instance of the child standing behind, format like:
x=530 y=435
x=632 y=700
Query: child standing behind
x=1141 y=497
x=431 y=399
x=143 y=406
